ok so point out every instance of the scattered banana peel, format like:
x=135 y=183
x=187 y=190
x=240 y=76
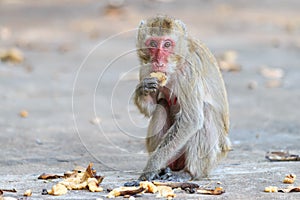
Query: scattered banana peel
x=288 y=179
x=77 y=179
x=282 y=156
x=163 y=189
x=284 y=190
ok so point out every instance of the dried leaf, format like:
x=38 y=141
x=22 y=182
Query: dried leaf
x=290 y=189
x=216 y=191
x=45 y=176
x=93 y=185
x=282 y=156
x=79 y=179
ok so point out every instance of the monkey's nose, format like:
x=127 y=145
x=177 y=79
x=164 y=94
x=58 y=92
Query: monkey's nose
x=159 y=64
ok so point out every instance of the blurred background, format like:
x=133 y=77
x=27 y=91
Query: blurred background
x=68 y=70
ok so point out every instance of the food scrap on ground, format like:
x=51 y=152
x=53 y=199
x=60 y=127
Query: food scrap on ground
x=75 y=180
x=12 y=55
x=271 y=189
x=27 y=193
x=282 y=156
x=163 y=189
x=227 y=61
x=45 y=176
x=284 y=190
x=289 y=179
x=271 y=73
x=216 y=191
x=23 y=113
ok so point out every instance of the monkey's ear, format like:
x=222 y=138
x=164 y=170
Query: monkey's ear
x=182 y=25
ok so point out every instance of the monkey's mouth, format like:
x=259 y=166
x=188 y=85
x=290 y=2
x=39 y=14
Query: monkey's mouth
x=159 y=67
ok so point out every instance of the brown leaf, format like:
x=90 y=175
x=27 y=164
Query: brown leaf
x=45 y=176
x=290 y=189
x=79 y=179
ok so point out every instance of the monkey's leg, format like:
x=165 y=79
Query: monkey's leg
x=204 y=148
x=161 y=121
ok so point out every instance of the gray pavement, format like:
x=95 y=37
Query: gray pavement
x=67 y=79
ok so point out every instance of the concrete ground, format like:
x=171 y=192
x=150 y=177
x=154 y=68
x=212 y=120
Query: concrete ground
x=80 y=68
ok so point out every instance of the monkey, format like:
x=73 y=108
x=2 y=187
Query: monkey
x=189 y=115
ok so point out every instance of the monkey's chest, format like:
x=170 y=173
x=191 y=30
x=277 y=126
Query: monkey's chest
x=169 y=102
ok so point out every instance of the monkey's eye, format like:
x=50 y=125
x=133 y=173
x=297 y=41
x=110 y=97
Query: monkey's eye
x=167 y=44
x=153 y=44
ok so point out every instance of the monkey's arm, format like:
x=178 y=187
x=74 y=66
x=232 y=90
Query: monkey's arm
x=177 y=136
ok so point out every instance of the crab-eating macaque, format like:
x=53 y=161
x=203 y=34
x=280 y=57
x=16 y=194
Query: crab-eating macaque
x=189 y=123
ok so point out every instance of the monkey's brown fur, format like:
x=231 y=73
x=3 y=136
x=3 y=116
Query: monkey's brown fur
x=191 y=132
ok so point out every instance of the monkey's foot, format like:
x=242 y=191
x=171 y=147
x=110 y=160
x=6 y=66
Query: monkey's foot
x=163 y=175
x=168 y=175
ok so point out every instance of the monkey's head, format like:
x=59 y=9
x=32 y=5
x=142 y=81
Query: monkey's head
x=161 y=43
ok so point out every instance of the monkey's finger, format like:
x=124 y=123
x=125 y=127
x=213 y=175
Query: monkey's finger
x=150 y=80
x=132 y=183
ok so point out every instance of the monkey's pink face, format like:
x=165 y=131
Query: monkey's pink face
x=160 y=48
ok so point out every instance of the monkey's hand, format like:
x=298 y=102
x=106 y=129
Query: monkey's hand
x=147 y=86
